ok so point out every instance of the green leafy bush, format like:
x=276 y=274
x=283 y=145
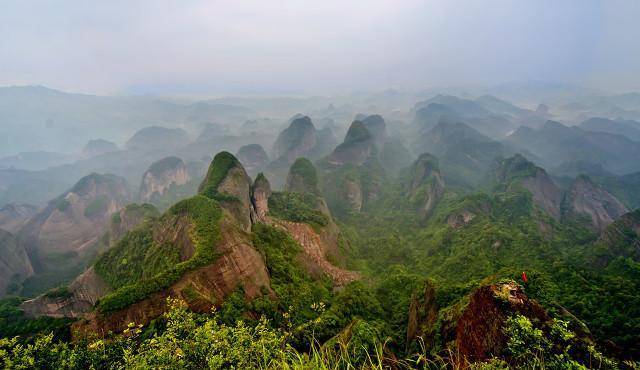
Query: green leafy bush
x=297 y=207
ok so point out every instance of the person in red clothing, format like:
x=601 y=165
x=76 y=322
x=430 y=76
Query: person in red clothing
x=524 y=277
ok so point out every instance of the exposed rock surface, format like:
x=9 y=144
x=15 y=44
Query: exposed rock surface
x=83 y=293
x=460 y=219
x=297 y=140
x=423 y=314
x=253 y=157
x=587 y=198
x=73 y=222
x=302 y=177
x=377 y=127
x=479 y=332
x=129 y=218
x=15 y=265
x=78 y=299
x=239 y=265
x=319 y=244
x=621 y=238
x=357 y=147
x=426 y=185
x=228 y=182
x=518 y=171
x=14 y=216
x=161 y=175
x=260 y=197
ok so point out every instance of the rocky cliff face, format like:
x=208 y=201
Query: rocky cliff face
x=359 y=144
x=588 y=199
x=621 y=238
x=253 y=158
x=185 y=231
x=235 y=264
x=302 y=177
x=423 y=315
x=85 y=290
x=14 y=216
x=161 y=175
x=479 y=331
x=228 y=183
x=15 y=265
x=128 y=218
x=377 y=127
x=74 y=221
x=260 y=197
x=474 y=327
x=74 y=301
x=518 y=171
x=239 y=264
x=320 y=243
x=297 y=140
x=426 y=185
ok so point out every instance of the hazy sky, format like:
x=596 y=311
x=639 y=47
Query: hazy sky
x=315 y=47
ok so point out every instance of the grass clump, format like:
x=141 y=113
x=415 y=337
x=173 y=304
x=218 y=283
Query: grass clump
x=296 y=207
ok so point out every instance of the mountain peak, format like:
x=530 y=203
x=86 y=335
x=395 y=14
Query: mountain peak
x=303 y=177
x=227 y=182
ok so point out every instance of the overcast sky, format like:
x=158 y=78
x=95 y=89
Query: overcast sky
x=196 y=47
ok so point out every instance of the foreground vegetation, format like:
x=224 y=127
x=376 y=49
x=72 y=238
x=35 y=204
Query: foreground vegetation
x=190 y=341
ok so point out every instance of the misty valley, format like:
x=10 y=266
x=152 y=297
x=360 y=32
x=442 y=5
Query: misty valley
x=331 y=185
x=433 y=232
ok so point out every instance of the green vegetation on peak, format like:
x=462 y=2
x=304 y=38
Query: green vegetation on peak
x=357 y=132
x=165 y=164
x=138 y=265
x=302 y=177
x=427 y=159
x=113 y=182
x=297 y=207
x=261 y=179
x=222 y=163
x=515 y=167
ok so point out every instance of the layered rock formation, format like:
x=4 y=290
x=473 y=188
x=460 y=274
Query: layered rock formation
x=358 y=145
x=302 y=177
x=297 y=140
x=161 y=176
x=128 y=218
x=377 y=127
x=621 y=238
x=15 y=265
x=14 y=216
x=72 y=223
x=304 y=214
x=426 y=185
x=479 y=331
x=201 y=250
x=590 y=200
x=228 y=183
x=518 y=171
x=261 y=192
